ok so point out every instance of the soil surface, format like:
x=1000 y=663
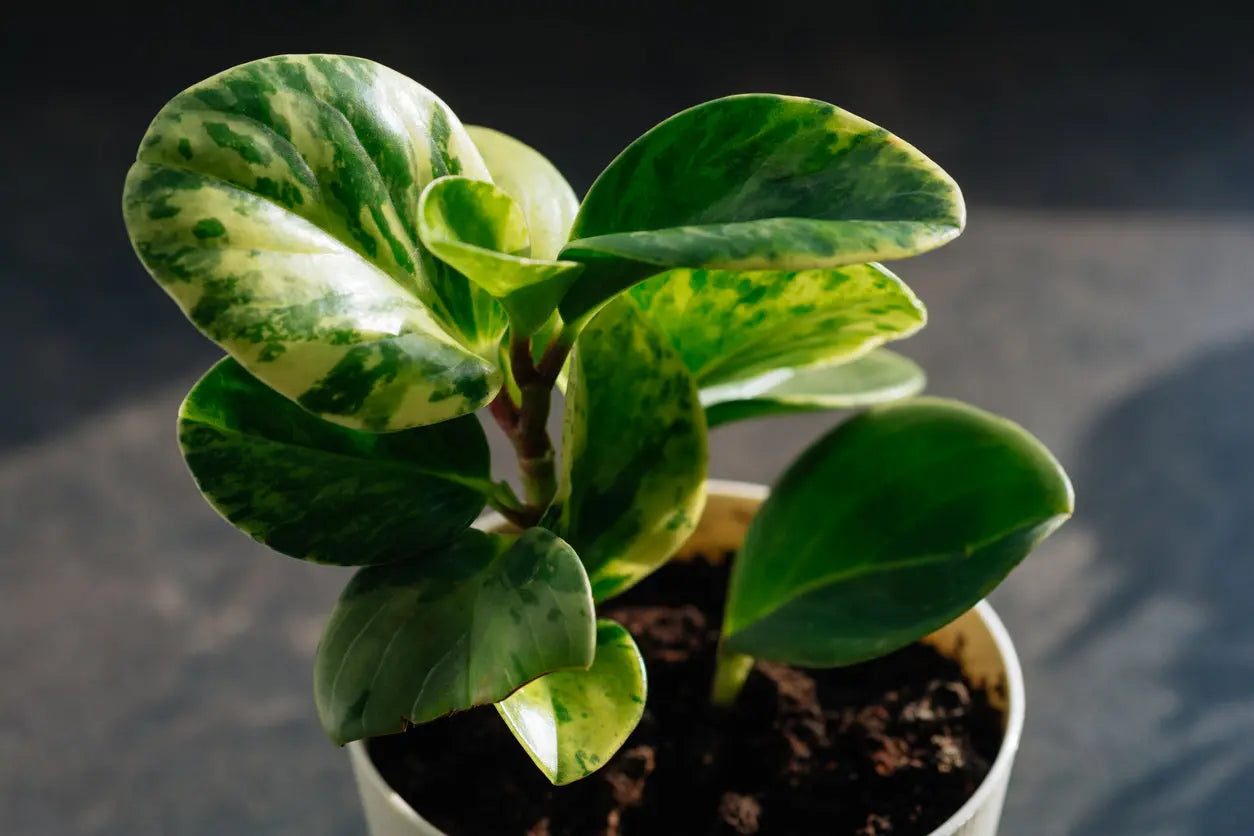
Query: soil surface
x=893 y=746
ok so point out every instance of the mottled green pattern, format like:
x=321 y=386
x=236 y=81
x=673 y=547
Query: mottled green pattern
x=477 y=228
x=311 y=489
x=547 y=200
x=878 y=377
x=888 y=528
x=633 y=450
x=463 y=626
x=572 y=722
x=758 y=182
x=732 y=326
x=277 y=204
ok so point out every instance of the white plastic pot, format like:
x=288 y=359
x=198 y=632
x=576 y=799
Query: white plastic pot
x=978 y=640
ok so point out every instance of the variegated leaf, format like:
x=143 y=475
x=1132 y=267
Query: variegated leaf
x=462 y=626
x=877 y=377
x=572 y=722
x=277 y=204
x=477 y=228
x=314 y=490
x=757 y=182
x=733 y=326
x=634 y=450
x=547 y=200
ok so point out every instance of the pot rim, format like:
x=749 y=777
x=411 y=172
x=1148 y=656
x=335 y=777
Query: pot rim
x=995 y=781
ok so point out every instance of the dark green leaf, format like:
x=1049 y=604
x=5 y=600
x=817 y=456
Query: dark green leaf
x=888 y=528
x=318 y=491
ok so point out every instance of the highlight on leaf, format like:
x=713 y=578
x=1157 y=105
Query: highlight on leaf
x=572 y=722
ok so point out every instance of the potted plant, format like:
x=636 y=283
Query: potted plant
x=378 y=272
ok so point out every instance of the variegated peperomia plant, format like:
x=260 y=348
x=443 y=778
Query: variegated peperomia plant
x=377 y=272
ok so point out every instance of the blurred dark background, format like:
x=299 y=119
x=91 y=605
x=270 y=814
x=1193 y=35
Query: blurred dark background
x=155 y=665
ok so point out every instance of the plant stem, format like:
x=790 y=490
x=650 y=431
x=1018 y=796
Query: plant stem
x=730 y=672
x=526 y=424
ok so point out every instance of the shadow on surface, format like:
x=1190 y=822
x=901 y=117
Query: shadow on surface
x=1168 y=487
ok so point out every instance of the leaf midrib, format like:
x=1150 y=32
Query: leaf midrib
x=871 y=569
x=593 y=243
x=399 y=464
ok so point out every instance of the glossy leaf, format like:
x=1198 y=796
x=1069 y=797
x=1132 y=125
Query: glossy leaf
x=547 y=200
x=463 y=626
x=634 y=452
x=878 y=377
x=314 y=490
x=277 y=204
x=888 y=528
x=731 y=327
x=572 y=722
x=478 y=229
x=757 y=182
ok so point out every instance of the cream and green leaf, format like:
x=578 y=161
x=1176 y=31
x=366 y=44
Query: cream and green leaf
x=481 y=231
x=889 y=527
x=634 y=453
x=464 y=625
x=757 y=182
x=277 y=204
x=572 y=722
x=877 y=377
x=318 y=491
x=741 y=333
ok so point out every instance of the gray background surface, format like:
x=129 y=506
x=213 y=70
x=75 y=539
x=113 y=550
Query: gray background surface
x=155 y=665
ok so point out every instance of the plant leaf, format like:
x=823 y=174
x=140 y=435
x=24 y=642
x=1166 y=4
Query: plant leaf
x=877 y=377
x=477 y=228
x=889 y=527
x=277 y=204
x=634 y=453
x=463 y=626
x=757 y=182
x=731 y=327
x=314 y=490
x=547 y=200
x=572 y=722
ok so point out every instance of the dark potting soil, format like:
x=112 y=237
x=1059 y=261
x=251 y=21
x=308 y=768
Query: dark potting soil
x=892 y=746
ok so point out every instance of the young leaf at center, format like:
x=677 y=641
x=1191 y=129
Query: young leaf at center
x=477 y=228
x=462 y=626
x=572 y=722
